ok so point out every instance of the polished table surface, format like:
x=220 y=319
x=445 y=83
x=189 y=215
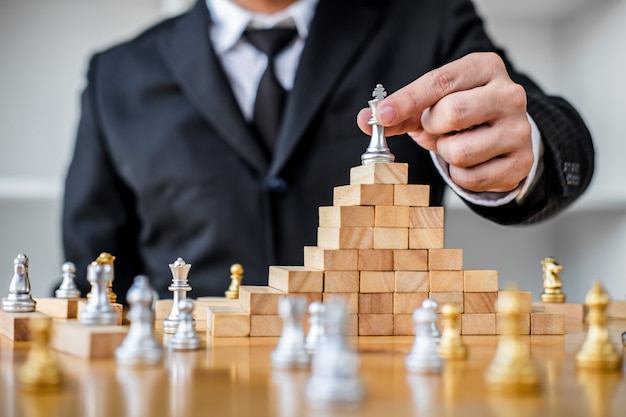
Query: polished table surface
x=234 y=377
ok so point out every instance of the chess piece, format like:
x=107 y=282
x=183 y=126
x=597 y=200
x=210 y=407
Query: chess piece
x=98 y=309
x=423 y=356
x=180 y=287
x=552 y=284
x=67 y=289
x=377 y=150
x=40 y=372
x=185 y=337
x=290 y=352
x=140 y=347
x=451 y=346
x=105 y=258
x=334 y=378
x=512 y=369
x=236 y=276
x=432 y=305
x=316 y=327
x=597 y=351
x=19 y=299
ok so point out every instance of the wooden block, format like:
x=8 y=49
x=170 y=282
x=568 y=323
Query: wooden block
x=447 y=297
x=445 y=259
x=410 y=260
x=426 y=218
x=479 y=324
x=296 y=279
x=331 y=259
x=119 y=310
x=446 y=281
x=403 y=325
x=15 y=325
x=380 y=173
x=346 y=216
x=571 y=311
x=412 y=281
x=375 y=303
x=377 y=281
x=265 y=326
x=391 y=216
x=341 y=281
x=616 y=309
x=526 y=299
x=310 y=296
x=363 y=195
x=351 y=300
x=524 y=323
x=480 y=302
x=163 y=308
x=87 y=342
x=345 y=237
x=547 y=323
x=259 y=299
x=426 y=238
x=227 y=321
x=375 y=324
x=480 y=280
x=411 y=195
x=375 y=260
x=407 y=303
x=61 y=308
x=352 y=325
x=391 y=238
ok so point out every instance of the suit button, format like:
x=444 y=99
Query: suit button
x=278 y=186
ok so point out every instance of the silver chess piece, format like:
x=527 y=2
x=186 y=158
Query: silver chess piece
x=334 y=378
x=140 y=347
x=424 y=356
x=290 y=352
x=99 y=309
x=180 y=287
x=185 y=337
x=67 y=289
x=315 y=336
x=432 y=305
x=19 y=299
x=377 y=150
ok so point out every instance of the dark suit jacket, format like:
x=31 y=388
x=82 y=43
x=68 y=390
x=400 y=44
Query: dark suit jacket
x=165 y=166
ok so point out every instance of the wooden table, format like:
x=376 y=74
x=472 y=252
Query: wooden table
x=234 y=377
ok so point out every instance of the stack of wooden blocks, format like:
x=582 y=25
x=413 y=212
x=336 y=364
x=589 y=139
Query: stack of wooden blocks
x=380 y=246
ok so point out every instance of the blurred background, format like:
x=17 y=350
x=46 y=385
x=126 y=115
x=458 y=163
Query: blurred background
x=572 y=48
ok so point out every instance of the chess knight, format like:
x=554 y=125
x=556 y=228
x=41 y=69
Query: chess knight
x=552 y=283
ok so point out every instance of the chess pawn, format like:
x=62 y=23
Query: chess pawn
x=423 y=356
x=552 y=284
x=67 y=289
x=377 y=150
x=290 y=352
x=105 y=258
x=432 y=305
x=316 y=327
x=98 y=309
x=236 y=276
x=19 y=299
x=451 y=346
x=40 y=372
x=334 y=378
x=140 y=347
x=512 y=369
x=185 y=337
x=597 y=351
x=179 y=287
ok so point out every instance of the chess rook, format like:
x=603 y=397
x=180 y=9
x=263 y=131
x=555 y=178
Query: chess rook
x=67 y=289
x=180 y=286
x=290 y=352
x=19 y=298
x=424 y=356
x=185 y=337
x=99 y=309
x=377 y=150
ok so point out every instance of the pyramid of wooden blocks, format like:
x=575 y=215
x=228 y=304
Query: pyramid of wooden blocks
x=380 y=247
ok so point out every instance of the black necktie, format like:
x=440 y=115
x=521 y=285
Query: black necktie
x=270 y=98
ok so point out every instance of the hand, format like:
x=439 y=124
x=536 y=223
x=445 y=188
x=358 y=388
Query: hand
x=472 y=114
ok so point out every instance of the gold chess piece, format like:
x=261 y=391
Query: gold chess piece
x=451 y=346
x=597 y=351
x=40 y=372
x=105 y=258
x=236 y=275
x=552 y=284
x=512 y=369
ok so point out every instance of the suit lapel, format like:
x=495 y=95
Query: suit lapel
x=321 y=65
x=204 y=83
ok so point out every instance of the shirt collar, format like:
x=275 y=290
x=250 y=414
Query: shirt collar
x=230 y=20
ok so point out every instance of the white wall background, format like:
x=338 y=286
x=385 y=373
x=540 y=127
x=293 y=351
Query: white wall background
x=573 y=48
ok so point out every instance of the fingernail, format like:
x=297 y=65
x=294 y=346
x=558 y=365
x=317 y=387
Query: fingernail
x=386 y=115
